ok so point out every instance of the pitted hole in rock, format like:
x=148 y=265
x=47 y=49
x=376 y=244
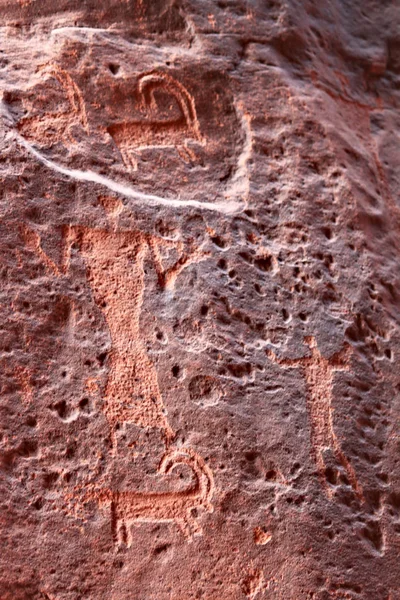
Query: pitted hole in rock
x=204 y=310
x=28 y=449
x=247 y=257
x=61 y=409
x=331 y=475
x=70 y=451
x=161 y=337
x=240 y=370
x=295 y=468
x=271 y=475
x=161 y=549
x=49 y=479
x=373 y=499
x=219 y=241
x=327 y=232
x=389 y=354
x=393 y=502
x=264 y=264
x=38 y=504
x=84 y=405
x=222 y=264
x=383 y=477
x=204 y=390
x=372 y=533
x=113 y=68
x=101 y=358
x=31 y=421
x=176 y=371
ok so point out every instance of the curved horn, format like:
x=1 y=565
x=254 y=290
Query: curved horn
x=149 y=83
x=201 y=470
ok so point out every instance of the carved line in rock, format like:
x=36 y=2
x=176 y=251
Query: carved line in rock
x=137 y=135
x=114 y=261
x=120 y=297
x=56 y=127
x=153 y=131
x=83 y=29
x=33 y=242
x=116 y=275
x=319 y=372
x=132 y=376
x=129 y=507
x=227 y=207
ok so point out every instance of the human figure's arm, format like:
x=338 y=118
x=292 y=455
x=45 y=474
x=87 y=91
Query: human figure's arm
x=340 y=360
x=168 y=276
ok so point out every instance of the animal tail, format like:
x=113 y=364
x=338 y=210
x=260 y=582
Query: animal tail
x=153 y=81
x=204 y=486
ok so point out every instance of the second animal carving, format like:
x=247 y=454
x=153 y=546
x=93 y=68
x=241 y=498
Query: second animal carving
x=128 y=507
x=154 y=130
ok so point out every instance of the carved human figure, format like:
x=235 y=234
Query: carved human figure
x=115 y=271
x=319 y=372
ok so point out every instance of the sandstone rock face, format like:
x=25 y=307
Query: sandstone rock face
x=199 y=349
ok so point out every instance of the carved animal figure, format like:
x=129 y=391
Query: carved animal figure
x=56 y=126
x=153 y=130
x=139 y=507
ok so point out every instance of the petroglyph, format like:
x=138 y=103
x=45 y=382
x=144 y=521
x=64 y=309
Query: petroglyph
x=57 y=126
x=116 y=274
x=157 y=129
x=319 y=372
x=253 y=583
x=24 y=377
x=227 y=207
x=128 y=507
x=33 y=242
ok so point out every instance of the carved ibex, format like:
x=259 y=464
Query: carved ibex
x=140 y=507
x=153 y=131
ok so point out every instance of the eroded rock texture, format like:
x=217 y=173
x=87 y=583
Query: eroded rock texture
x=199 y=349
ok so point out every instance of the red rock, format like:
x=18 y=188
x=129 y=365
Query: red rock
x=200 y=309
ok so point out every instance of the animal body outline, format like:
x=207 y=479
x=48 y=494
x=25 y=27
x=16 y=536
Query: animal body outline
x=133 y=136
x=128 y=508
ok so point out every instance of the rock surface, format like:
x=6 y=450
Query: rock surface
x=199 y=300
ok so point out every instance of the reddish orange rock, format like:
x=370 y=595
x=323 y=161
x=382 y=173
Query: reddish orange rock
x=199 y=349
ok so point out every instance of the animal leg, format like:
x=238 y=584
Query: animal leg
x=186 y=154
x=128 y=159
x=189 y=526
x=124 y=538
x=132 y=160
x=184 y=526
